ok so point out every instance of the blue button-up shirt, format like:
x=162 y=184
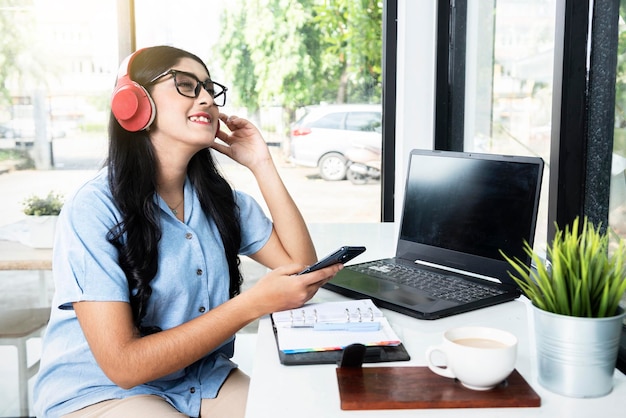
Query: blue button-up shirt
x=192 y=278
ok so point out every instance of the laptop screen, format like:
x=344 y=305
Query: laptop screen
x=470 y=205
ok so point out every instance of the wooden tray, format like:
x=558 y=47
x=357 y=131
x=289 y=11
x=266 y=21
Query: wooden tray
x=420 y=388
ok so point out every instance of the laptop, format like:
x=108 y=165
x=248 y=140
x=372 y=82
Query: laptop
x=460 y=209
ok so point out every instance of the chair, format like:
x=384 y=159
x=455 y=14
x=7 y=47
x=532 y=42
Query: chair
x=17 y=326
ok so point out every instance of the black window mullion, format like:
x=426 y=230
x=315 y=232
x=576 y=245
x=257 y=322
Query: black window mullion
x=450 y=75
x=390 y=53
x=603 y=67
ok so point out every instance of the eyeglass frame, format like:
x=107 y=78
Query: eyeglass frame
x=197 y=90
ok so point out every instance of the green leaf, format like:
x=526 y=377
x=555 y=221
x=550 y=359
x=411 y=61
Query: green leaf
x=583 y=279
x=43 y=206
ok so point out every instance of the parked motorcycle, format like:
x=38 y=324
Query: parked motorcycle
x=363 y=164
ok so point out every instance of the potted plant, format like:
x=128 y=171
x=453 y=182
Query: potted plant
x=576 y=307
x=42 y=215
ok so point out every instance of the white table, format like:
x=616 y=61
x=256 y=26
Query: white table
x=312 y=391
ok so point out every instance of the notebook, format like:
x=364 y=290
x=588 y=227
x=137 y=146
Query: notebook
x=332 y=326
x=460 y=209
x=317 y=333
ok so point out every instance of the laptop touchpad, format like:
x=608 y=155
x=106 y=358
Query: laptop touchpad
x=402 y=297
x=381 y=289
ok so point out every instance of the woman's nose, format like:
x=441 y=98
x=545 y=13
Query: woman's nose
x=205 y=97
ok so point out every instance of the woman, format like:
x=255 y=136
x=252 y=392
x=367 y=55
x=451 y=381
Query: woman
x=146 y=255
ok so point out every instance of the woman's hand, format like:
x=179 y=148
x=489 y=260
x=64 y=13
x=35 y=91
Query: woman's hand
x=282 y=289
x=244 y=144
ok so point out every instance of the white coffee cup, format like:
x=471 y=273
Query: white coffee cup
x=479 y=357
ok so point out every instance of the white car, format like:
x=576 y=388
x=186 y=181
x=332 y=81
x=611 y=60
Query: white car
x=321 y=137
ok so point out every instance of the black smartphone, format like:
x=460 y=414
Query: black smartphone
x=342 y=255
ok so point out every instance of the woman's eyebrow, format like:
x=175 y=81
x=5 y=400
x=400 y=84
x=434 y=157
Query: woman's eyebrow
x=193 y=74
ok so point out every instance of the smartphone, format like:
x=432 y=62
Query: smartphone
x=342 y=255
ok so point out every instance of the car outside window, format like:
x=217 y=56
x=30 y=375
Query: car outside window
x=364 y=122
x=330 y=121
x=322 y=137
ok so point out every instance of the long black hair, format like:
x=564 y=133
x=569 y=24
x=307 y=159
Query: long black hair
x=132 y=178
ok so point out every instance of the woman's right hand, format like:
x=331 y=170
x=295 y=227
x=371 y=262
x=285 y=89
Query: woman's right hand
x=282 y=289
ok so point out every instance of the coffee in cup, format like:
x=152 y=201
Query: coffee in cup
x=479 y=357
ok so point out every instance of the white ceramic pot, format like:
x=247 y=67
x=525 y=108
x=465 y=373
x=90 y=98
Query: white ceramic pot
x=577 y=356
x=41 y=231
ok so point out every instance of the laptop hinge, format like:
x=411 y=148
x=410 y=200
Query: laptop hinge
x=462 y=272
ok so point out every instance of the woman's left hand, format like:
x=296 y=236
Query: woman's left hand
x=244 y=144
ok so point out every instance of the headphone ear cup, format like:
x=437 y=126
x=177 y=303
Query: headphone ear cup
x=132 y=106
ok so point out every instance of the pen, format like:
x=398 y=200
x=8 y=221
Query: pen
x=349 y=326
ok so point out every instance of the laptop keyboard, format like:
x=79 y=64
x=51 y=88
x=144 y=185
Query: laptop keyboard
x=438 y=285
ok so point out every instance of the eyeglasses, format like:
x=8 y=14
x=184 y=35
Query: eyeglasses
x=188 y=85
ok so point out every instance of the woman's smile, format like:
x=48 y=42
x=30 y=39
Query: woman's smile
x=203 y=118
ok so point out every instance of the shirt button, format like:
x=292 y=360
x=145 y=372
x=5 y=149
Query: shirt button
x=188 y=235
x=199 y=272
x=192 y=390
x=202 y=309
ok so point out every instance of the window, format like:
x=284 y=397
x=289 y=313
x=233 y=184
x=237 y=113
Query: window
x=506 y=72
x=275 y=70
x=79 y=51
x=582 y=159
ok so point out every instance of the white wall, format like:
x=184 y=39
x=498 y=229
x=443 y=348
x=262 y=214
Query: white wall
x=415 y=102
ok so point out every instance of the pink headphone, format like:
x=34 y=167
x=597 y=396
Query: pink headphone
x=131 y=104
